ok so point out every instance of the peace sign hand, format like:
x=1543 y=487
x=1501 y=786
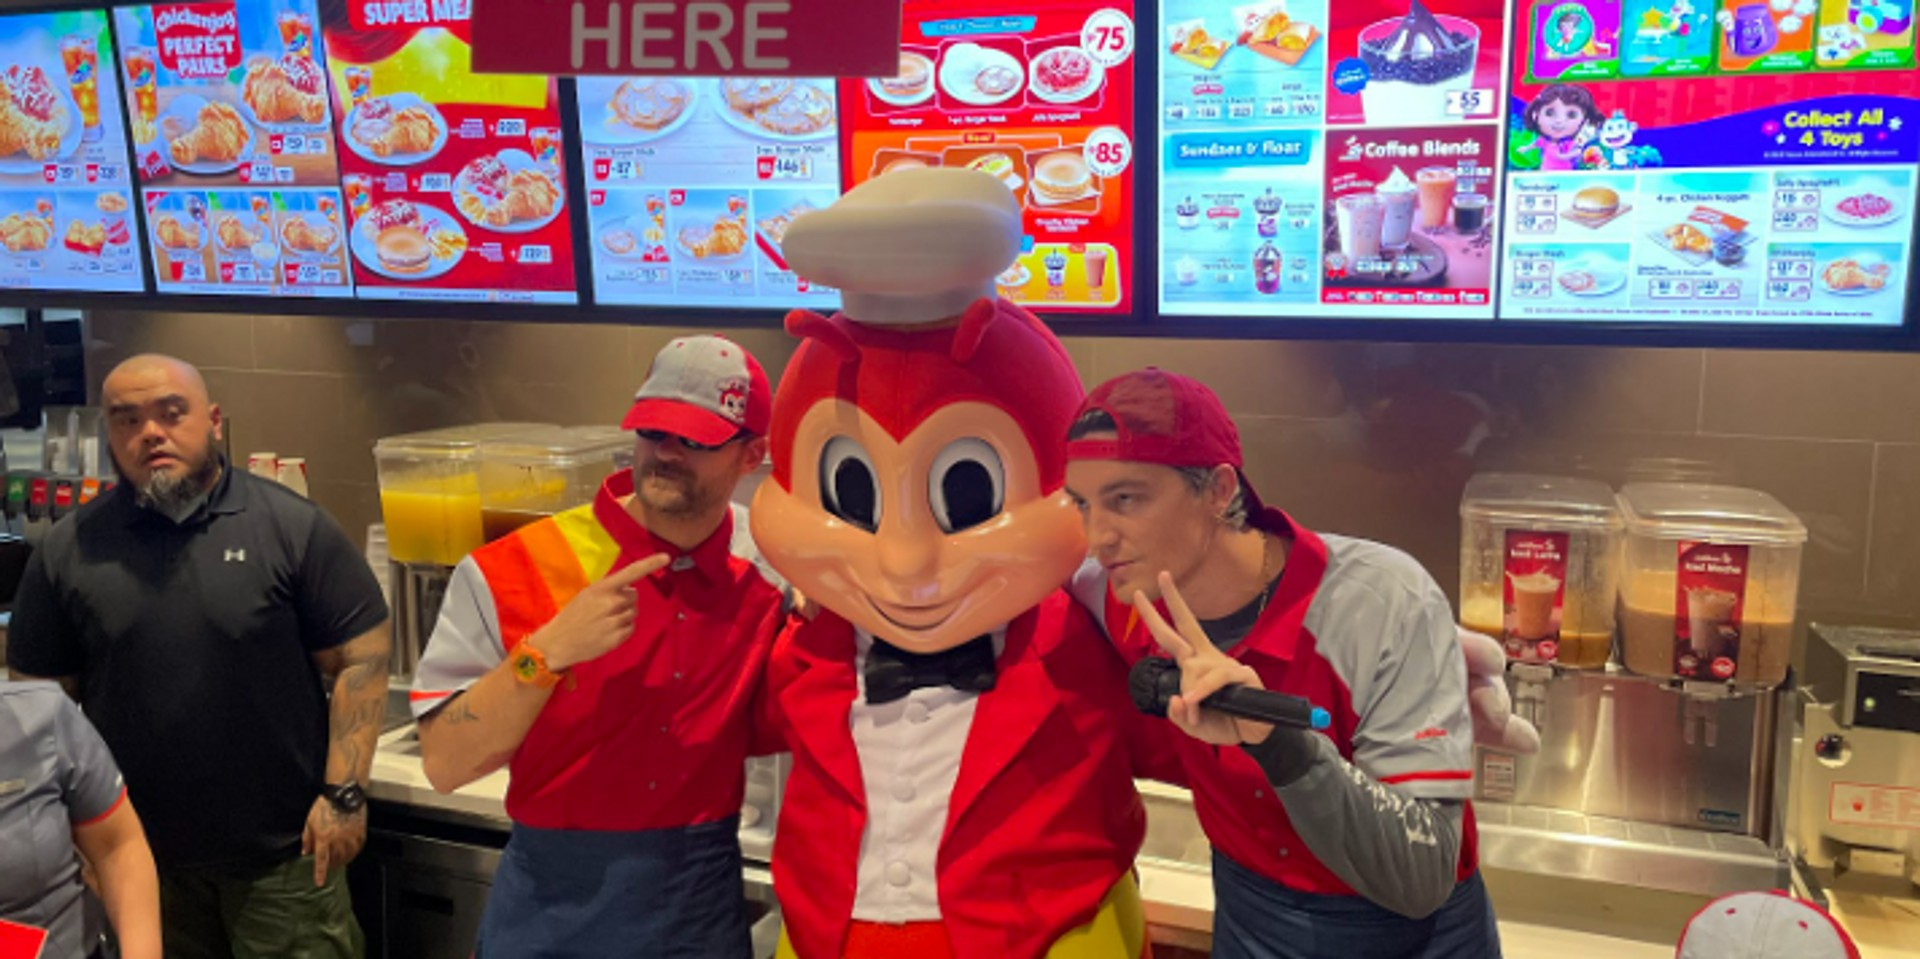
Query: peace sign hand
x=1204 y=670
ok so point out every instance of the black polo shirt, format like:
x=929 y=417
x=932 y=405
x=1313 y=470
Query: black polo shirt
x=193 y=643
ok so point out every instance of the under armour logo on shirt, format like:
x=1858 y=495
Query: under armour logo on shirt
x=236 y=556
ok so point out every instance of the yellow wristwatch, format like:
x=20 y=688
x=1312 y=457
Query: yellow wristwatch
x=530 y=666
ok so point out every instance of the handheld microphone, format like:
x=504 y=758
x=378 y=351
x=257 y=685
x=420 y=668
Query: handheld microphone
x=1155 y=681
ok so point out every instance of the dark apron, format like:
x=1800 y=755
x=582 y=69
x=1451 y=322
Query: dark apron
x=1254 y=918
x=659 y=894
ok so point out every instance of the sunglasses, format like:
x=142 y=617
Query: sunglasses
x=661 y=436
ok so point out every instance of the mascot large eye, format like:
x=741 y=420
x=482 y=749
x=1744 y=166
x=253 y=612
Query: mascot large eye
x=967 y=485
x=849 y=485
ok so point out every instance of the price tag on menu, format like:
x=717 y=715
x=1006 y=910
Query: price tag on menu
x=1107 y=36
x=436 y=182
x=541 y=254
x=510 y=128
x=1176 y=111
x=309 y=274
x=1206 y=111
x=1108 y=151
x=1789 y=268
x=1278 y=107
x=1796 y=199
x=1538 y=222
x=1469 y=103
x=192 y=272
x=1240 y=111
x=773 y=165
x=623 y=168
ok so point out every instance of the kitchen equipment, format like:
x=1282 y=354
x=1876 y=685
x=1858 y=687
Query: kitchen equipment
x=1858 y=774
x=1660 y=781
x=430 y=505
x=1710 y=584
x=1539 y=566
x=536 y=474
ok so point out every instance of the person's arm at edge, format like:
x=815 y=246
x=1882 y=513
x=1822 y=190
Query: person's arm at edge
x=129 y=885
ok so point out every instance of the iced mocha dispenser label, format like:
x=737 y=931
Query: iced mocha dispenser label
x=1535 y=590
x=1707 y=608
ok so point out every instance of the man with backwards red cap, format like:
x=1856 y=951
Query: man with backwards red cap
x=1355 y=841
x=610 y=657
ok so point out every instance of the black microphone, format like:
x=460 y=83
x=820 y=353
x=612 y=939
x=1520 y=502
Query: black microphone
x=1155 y=681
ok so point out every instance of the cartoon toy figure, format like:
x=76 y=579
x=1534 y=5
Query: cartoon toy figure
x=1562 y=119
x=1615 y=149
x=962 y=784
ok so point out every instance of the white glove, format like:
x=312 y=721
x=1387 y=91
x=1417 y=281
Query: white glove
x=1494 y=723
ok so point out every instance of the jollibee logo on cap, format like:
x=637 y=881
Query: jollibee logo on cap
x=733 y=398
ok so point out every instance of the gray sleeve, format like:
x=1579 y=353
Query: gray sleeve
x=89 y=780
x=1400 y=851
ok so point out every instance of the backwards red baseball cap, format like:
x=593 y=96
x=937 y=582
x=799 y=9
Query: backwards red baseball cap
x=1162 y=418
x=704 y=388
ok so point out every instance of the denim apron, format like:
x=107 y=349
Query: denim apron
x=1254 y=918
x=659 y=894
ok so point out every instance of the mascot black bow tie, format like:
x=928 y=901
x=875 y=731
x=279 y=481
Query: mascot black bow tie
x=893 y=672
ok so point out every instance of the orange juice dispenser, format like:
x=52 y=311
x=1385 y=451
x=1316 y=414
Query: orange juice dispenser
x=430 y=503
x=533 y=475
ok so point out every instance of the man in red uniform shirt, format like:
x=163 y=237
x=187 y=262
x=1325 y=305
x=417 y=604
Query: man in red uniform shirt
x=610 y=657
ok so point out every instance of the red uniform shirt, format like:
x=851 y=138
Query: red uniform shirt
x=651 y=735
x=1360 y=630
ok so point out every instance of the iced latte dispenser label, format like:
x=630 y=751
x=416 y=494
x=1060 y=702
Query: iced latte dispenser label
x=1536 y=579
x=1706 y=622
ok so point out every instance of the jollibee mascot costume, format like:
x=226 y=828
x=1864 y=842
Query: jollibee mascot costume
x=962 y=783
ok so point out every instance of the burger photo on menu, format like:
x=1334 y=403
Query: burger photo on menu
x=401 y=240
x=912 y=86
x=1415 y=62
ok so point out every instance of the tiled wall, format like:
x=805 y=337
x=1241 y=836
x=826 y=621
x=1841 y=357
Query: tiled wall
x=1371 y=439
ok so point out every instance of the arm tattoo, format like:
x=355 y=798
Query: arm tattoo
x=457 y=712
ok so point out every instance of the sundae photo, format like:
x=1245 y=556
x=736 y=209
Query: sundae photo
x=1412 y=63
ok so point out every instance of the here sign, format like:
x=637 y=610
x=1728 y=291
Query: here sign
x=821 y=38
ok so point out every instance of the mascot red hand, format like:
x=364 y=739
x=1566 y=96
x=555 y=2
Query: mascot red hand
x=959 y=787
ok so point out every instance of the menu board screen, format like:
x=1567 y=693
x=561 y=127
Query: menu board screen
x=1746 y=162
x=692 y=183
x=1329 y=159
x=454 y=181
x=233 y=145
x=65 y=192
x=1039 y=95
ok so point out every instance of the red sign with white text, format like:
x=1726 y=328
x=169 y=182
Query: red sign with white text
x=198 y=41
x=794 y=38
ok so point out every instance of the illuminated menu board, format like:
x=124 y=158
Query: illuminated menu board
x=233 y=146
x=1747 y=162
x=1334 y=160
x=1039 y=95
x=692 y=183
x=65 y=191
x=454 y=181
